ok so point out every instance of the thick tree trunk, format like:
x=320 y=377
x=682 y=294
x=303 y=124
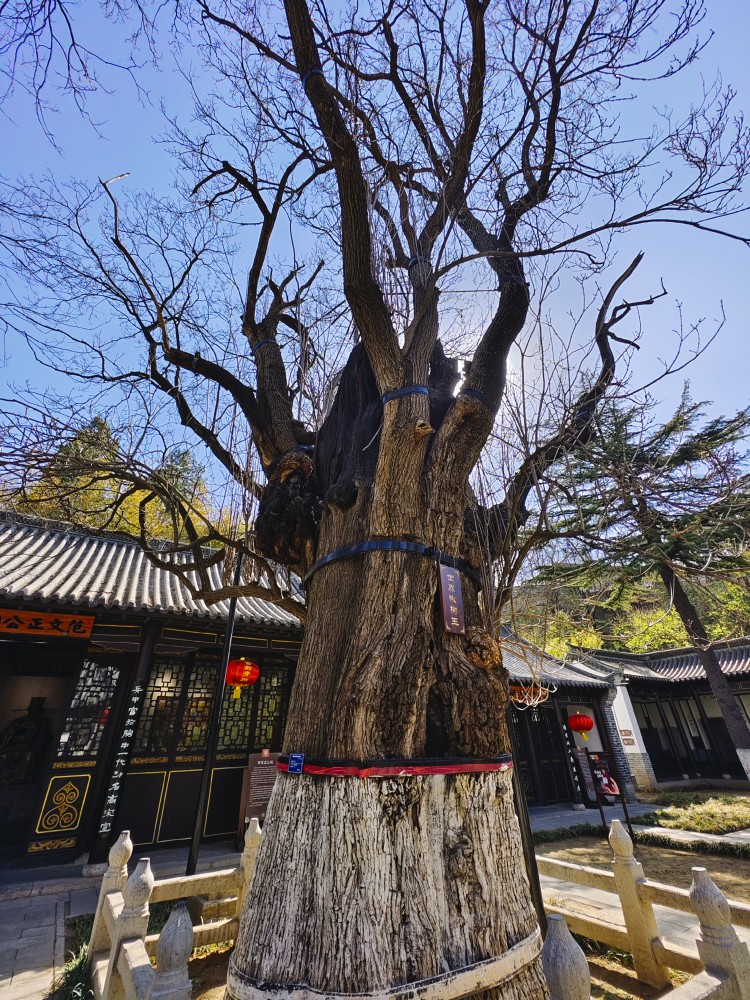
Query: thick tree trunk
x=366 y=885
x=735 y=721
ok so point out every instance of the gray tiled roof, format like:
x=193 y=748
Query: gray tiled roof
x=674 y=664
x=72 y=567
x=526 y=663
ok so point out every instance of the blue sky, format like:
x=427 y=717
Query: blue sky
x=700 y=272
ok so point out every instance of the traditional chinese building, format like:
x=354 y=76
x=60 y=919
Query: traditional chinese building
x=670 y=725
x=550 y=755
x=107 y=667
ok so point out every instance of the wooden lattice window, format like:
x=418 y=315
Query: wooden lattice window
x=236 y=720
x=158 y=720
x=89 y=709
x=270 y=717
x=197 y=710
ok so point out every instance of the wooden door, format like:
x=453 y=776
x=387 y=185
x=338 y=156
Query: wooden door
x=161 y=790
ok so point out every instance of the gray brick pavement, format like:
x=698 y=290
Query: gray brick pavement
x=30 y=946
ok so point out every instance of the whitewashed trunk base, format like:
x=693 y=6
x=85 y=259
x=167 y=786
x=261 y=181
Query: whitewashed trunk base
x=376 y=886
x=450 y=986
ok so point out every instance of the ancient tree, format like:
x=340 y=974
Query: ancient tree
x=443 y=162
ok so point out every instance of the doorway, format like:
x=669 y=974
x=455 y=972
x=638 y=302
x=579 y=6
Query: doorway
x=541 y=757
x=160 y=796
x=35 y=684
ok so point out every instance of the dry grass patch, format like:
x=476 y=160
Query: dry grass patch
x=702 y=812
x=208 y=974
x=612 y=980
x=662 y=864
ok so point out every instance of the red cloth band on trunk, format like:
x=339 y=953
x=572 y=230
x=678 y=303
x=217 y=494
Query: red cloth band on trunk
x=399 y=769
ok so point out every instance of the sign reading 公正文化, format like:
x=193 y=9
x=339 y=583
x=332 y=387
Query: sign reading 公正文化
x=451 y=599
x=44 y=623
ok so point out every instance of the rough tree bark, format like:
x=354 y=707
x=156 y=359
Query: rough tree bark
x=371 y=885
x=406 y=879
x=433 y=863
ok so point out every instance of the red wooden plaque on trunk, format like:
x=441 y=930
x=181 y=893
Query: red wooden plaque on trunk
x=451 y=599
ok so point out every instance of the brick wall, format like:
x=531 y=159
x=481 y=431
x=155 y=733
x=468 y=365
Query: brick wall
x=641 y=769
x=618 y=752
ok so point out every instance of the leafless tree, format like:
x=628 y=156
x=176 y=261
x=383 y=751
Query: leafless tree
x=389 y=162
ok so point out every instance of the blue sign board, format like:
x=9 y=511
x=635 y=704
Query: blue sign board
x=296 y=763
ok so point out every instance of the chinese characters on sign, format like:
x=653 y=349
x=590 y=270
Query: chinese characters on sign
x=122 y=755
x=600 y=769
x=261 y=777
x=43 y=623
x=451 y=599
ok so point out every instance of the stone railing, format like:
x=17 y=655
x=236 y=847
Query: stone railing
x=722 y=962
x=121 y=949
x=120 y=946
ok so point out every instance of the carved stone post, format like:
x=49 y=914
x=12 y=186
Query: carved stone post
x=132 y=922
x=247 y=861
x=565 y=967
x=114 y=880
x=722 y=953
x=640 y=922
x=172 y=953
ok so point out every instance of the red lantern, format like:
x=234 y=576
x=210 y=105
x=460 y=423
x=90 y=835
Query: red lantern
x=241 y=673
x=581 y=723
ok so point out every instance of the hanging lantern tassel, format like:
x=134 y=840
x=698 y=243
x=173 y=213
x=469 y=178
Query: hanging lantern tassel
x=581 y=724
x=241 y=673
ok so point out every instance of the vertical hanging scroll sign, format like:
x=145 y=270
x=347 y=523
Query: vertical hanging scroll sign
x=451 y=599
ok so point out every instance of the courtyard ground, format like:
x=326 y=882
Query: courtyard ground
x=673 y=866
x=208 y=975
x=35 y=902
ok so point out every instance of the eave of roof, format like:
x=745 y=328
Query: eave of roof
x=70 y=567
x=674 y=665
x=526 y=663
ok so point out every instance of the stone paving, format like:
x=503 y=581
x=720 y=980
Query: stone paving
x=34 y=902
x=675 y=927
x=32 y=930
x=556 y=817
x=34 y=906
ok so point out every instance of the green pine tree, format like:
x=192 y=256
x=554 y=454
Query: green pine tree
x=88 y=481
x=667 y=500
